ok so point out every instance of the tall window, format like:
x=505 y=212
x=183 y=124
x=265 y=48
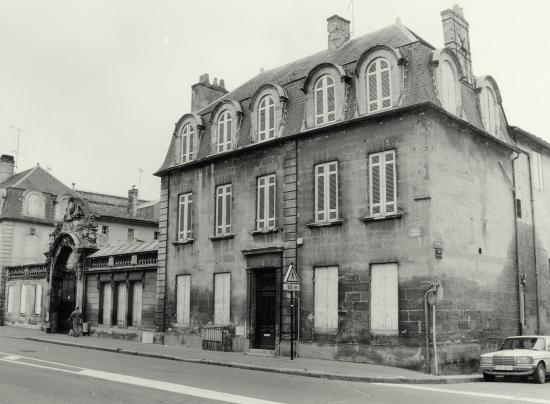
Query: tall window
x=23 y=300
x=11 y=293
x=183 y=299
x=266 y=119
x=326 y=299
x=325 y=105
x=121 y=304
x=489 y=112
x=107 y=299
x=130 y=234
x=448 y=87
x=222 y=298
x=266 y=203
x=382 y=184
x=223 y=209
x=224 y=131
x=378 y=85
x=38 y=299
x=384 y=301
x=184 y=216
x=326 y=192
x=187 y=138
x=105 y=230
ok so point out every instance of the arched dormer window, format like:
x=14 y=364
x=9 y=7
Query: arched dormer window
x=267 y=108
x=34 y=204
x=325 y=103
x=379 y=73
x=448 y=74
x=187 y=138
x=225 y=126
x=61 y=207
x=489 y=105
x=325 y=90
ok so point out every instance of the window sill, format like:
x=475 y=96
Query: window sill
x=268 y=231
x=325 y=224
x=221 y=237
x=367 y=219
x=186 y=241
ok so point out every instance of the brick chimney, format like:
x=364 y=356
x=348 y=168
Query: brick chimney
x=456 y=37
x=338 y=32
x=203 y=93
x=132 y=201
x=7 y=164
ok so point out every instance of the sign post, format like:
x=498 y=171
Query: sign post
x=291 y=283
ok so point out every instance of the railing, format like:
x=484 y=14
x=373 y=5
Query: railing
x=33 y=271
x=217 y=338
x=122 y=261
x=147 y=259
x=100 y=262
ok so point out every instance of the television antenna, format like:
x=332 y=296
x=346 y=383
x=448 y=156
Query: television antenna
x=19 y=132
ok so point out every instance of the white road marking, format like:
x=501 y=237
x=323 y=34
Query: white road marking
x=467 y=393
x=137 y=381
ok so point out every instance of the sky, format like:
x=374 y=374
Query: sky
x=98 y=85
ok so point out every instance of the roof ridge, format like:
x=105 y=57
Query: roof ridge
x=31 y=170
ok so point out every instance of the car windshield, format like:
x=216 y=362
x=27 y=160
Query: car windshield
x=534 y=343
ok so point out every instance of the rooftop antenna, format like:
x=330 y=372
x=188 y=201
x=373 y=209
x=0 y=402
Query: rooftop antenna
x=139 y=188
x=19 y=131
x=350 y=5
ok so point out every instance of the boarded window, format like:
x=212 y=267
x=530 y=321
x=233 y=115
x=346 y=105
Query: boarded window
x=447 y=90
x=222 y=290
x=326 y=192
x=382 y=184
x=266 y=203
x=384 y=299
x=107 y=303
x=490 y=111
x=38 y=299
x=122 y=304
x=185 y=217
x=326 y=299
x=23 y=300
x=11 y=292
x=137 y=302
x=223 y=209
x=183 y=284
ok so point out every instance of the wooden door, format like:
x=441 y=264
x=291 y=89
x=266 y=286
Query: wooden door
x=67 y=300
x=107 y=306
x=122 y=304
x=137 y=297
x=384 y=299
x=265 y=310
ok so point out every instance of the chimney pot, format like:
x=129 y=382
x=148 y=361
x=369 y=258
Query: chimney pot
x=338 y=32
x=7 y=167
x=132 y=200
x=215 y=83
x=222 y=83
x=203 y=93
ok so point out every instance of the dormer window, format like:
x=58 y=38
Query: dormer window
x=266 y=119
x=448 y=75
x=448 y=87
x=325 y=105
x=378 y=85
x=34 y=204
x=489 y=113
x=224 y=132
x=187 y=143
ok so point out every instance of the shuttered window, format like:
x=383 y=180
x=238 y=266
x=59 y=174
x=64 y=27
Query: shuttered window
x=107 y=303
x=378 y=84
x=23 y=300
x=183 y=300
x=448 y=87
x=184 y=217
x=38 y=299
x=187 y=143
x=326 y=192
x=265 y=219
x=266 y=119
x=326 y=299
x=11 y=292
x=324 y=100
x=223 y=209
x=382 y=183
x=222 y=298
x=137 y=302
x=384 y=299
x=224 y=131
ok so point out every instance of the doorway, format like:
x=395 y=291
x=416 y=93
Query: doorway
x=66 y=298
x=265 y=309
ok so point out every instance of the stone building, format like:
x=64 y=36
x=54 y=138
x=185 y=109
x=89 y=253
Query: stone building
x=377 y=166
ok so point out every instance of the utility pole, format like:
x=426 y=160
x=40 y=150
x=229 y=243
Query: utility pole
x=19 y=131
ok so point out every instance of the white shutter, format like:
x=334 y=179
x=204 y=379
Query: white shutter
x=384 y=300
x=107 y=300
x=390 y=186
x=320 y=214
x=183 y=299
x=122 y=304
x=137 y=302
x=185 y=216
x=38 y=299
x=375 y=184
x=261 y=219
x=326 y=299
x=222 y=292
x=23 y=300
x=11 y=291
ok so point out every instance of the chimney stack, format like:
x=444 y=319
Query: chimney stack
x=456 y=37
x=132 y=200
x=203 y=93
x=338 y=32
x=7 y=164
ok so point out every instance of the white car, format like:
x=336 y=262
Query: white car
x=525 y=355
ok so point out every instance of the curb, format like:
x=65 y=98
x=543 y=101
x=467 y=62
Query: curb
x=294 y=372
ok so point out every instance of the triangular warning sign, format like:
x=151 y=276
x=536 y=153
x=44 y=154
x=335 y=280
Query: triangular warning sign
x=291 y=275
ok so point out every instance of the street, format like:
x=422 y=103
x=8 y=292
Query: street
x=32 y=372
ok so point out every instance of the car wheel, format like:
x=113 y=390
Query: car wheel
x=540 y=373
x=488 y=378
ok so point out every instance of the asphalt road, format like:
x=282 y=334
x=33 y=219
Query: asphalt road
x=33 y=372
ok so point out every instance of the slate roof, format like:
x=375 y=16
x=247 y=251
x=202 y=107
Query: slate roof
x=131 y=248
x=121 y=213
x=39 y=179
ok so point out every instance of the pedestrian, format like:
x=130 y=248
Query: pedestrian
x=76 y=317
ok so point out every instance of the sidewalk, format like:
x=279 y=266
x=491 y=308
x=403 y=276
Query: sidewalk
x=319 y=368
